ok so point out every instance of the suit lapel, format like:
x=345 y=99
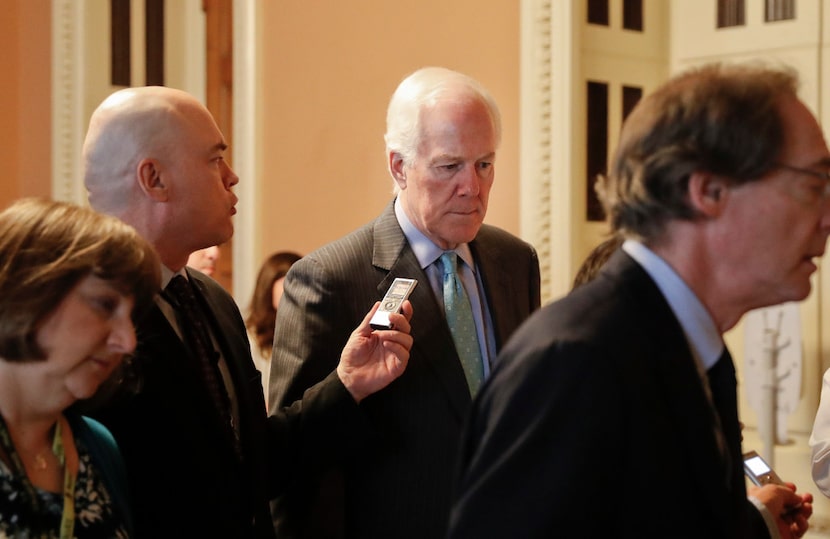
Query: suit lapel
x=499 y=288
x=157 y=333
x=235 y=351
x=156 y=326
x=219 y=319
x=682 y=391
x=164 y=357
x=432 y=338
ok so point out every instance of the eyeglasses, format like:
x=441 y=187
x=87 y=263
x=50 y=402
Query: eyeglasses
x=810 y=172
x=815 y=173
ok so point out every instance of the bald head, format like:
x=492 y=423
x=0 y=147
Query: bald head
x=128 y=126
x=154 y=157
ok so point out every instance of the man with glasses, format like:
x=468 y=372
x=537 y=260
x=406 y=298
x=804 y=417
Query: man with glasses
x=613 y=412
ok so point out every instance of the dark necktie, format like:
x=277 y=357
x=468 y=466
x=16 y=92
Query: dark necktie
x=460 y=319
x=723 y=386
x=197 y=337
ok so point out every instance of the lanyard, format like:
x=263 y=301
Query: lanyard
x=68 y=515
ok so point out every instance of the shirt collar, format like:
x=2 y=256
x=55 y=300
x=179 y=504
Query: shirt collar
x=167 y=275
x=425 y=250
x=700 y=329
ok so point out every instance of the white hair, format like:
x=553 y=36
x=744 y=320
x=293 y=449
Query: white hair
x=420 y=89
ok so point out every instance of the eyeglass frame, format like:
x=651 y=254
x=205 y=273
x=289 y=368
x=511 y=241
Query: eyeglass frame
x=810 y=172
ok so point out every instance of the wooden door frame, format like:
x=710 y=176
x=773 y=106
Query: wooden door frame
x=246 y=147
x=70 y=116
x=219 y=99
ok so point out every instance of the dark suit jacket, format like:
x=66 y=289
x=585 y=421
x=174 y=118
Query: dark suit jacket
x=595 y=424
x=399 y=485
x=184 y=476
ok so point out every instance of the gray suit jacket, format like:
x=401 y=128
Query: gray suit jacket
x=396 y=481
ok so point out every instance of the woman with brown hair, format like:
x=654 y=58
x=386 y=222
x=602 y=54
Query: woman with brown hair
x=264 y=305
x=71 y=281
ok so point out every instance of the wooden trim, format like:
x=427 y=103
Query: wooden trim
x=219 y=99
x=120 y=68
x=154 y=42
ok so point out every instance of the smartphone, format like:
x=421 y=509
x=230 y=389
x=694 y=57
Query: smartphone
x=391 y=302
x=758 y=471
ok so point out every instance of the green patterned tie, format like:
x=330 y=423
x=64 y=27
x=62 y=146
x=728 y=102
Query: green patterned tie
x=460 y=320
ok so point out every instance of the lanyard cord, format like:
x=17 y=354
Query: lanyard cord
x=68 y=515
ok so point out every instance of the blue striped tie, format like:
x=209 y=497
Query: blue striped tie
x=460 y=320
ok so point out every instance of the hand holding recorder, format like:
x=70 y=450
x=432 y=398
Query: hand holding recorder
x=790 y=510
x=373 y=358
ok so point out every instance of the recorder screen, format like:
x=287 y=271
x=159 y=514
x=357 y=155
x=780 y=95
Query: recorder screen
x=757 y=465
x=399 y=289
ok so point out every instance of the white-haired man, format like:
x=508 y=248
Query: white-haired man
x=443 y=129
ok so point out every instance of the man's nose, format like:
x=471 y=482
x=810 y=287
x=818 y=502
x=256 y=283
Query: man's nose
x=469 y=182
x=229 y=176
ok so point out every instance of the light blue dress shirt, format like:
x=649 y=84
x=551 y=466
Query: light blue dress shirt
x=427 y=254
x=702 y=335
x=701 y=332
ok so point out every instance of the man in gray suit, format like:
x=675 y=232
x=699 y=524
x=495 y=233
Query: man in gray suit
x=443 y=129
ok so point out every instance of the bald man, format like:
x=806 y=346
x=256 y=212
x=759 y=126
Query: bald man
x=192 y=427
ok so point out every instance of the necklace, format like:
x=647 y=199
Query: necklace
x=40 y=461
x=30 y=493
x=57 y=448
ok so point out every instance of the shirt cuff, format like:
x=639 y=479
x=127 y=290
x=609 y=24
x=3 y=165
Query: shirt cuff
x=769 y=520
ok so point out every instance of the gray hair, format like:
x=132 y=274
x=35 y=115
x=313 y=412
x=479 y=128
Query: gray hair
x=421 y=89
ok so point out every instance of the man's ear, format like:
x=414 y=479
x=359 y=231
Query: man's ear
x=398 y=169
x=707 y=193
x=149 y=177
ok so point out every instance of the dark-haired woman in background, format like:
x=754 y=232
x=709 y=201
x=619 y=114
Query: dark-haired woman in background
x=264 y=305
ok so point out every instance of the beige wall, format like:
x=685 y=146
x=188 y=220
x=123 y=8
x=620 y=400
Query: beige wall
x=328 y=70
x=9 y=98
x=25 y=100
